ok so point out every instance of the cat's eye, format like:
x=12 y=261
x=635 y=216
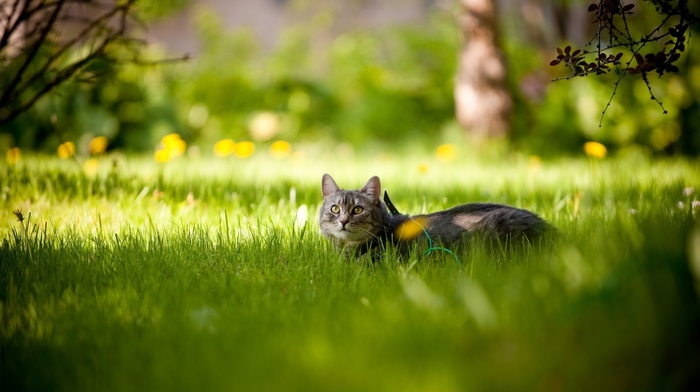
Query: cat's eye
x=335 y=209
x=357 y=210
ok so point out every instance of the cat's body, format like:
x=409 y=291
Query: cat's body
x=359 y=222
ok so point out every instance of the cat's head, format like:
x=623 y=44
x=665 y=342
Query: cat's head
x=351 y=217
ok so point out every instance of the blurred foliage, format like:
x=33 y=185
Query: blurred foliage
x=366 y=86
x=156 y=9
x=385 y=86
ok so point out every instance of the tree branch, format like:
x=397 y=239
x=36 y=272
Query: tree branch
x=5 y=98
x=65 y=47
x=10 y=26
x=43 y=63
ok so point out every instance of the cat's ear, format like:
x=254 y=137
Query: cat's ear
x=328 y=186
x=372 y=189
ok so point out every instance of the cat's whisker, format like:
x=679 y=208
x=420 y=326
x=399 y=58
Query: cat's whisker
x=372 y=235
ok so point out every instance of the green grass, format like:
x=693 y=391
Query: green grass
x=200 y=275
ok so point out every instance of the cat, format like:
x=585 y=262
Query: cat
x=358 y=222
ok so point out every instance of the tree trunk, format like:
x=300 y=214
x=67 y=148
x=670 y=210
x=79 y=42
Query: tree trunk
x=483 y=103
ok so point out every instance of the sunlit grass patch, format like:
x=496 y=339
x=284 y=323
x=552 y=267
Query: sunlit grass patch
x=210 y=273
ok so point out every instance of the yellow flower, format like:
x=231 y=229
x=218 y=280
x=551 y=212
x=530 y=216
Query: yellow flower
x=170 y=139
x=534 y=162
x=162 y=155
x=178 y=149
x=280 y=149
x=98 y=145
x=66 y=150
x=13 y=155
x=224 y=148
x=244 y=149
x=411 y=229
x=595 y=150
x=446 y=152
x=423 y=168
x=90 y=167
x=174 y=144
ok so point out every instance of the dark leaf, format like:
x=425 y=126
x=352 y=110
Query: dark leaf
x=674 y=57
x=618 y=57
x=561 y=53
x=567 y=50
x=672 y=68
x=593 y=7
x=555 y=62
x=646 y=67
x=627 y=7
x=576 y=53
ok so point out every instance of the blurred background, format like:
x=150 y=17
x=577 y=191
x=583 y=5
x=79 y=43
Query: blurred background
x=360 y=74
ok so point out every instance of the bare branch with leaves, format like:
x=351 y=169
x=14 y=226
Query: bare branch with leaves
x=614 y=42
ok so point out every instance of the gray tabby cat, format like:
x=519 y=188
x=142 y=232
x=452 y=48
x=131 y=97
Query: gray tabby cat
x=359 y=222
